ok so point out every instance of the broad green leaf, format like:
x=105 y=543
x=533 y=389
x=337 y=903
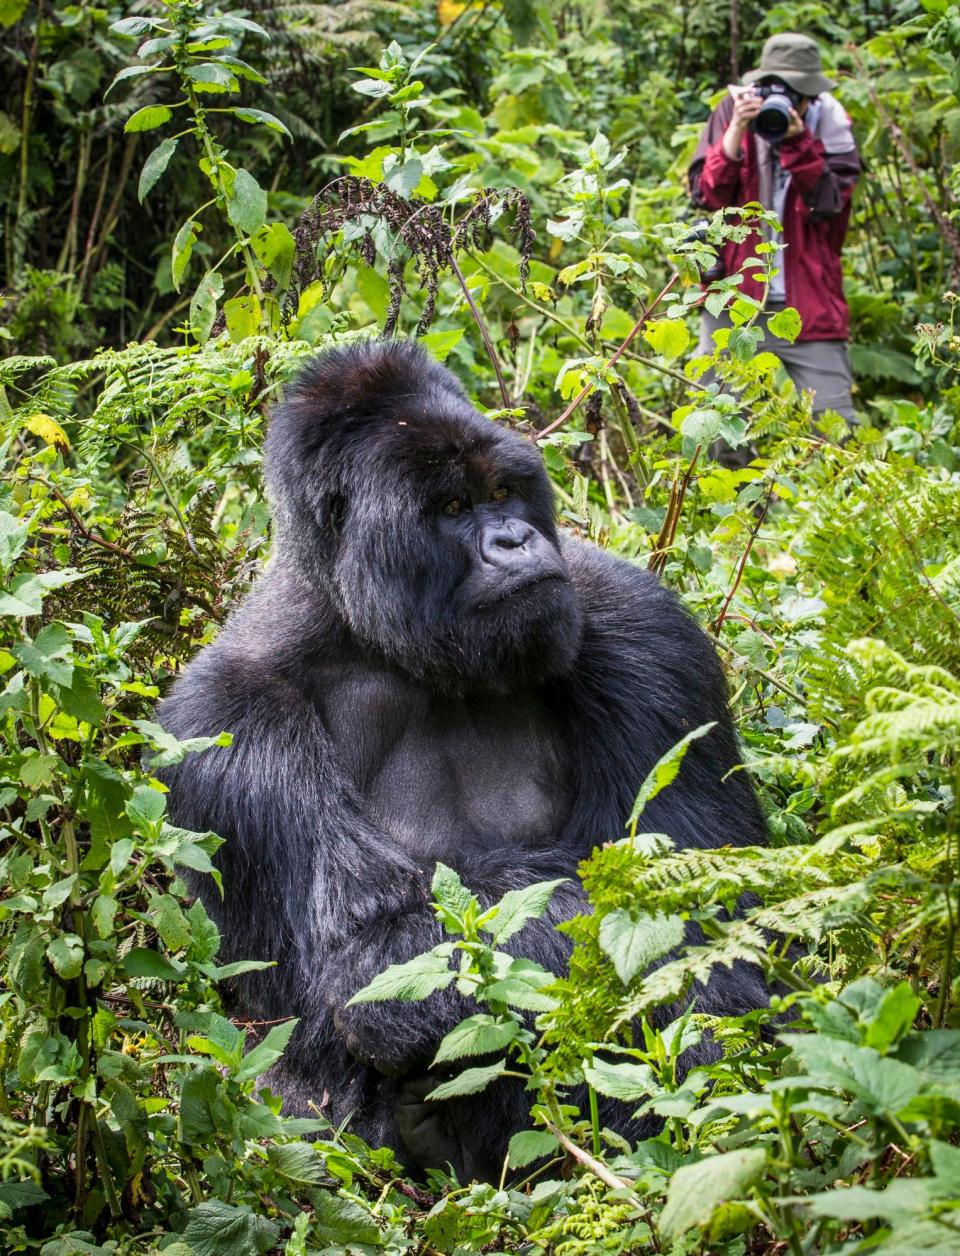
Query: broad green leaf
x=212 y=77
x=146 y=807
x=58 y=893
x=339 y=1225
x=702 y=425
x=242 y=316
x=634 y=942
x=38 y=770
x=148 y=118
x=143 y=962
x=470 y=1082
x=274 y=247
x=129 y=72
x=448 y=891
x=298 y=1162
x=168 y=919
x=134 y=25
x=530 y=1145
x=120 y=855
x=66 y=955
x=81 y=698
x=439 y=343
x=203 y=304
x=183 y=243
x=262 y=118
x=11 y=11
x=171 y=750
x=25 y=595
x=218 y=1229
x=627 y=1082
x=416 y=979
x=375 y=291
x=25 y=1194
x=154 y=167
x=233 y=22
x=667 y=336
x=404 y=178
x=102 y=913
x=664 y=771
x=785 y=324
x=266 y=1053
x=198 y=1100
x=372 y=87
x=697 y=1190
x=744 y=343
x=894 y=1017
x=46 y=657
x=523 y=987
x=904 y=1199
x=247 y=203
x=477 y=1035
x=517 y=907
x=13 y=537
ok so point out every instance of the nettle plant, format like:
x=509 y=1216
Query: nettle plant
x=199 y=53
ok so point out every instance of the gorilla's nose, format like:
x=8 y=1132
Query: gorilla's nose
x=503 y=544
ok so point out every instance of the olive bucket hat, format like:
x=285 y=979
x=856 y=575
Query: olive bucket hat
x=796 y=60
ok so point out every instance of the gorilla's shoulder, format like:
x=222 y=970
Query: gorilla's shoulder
x=626 y=598
x=642 y=649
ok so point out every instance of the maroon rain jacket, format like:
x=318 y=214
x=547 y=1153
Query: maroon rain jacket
x=815 y=217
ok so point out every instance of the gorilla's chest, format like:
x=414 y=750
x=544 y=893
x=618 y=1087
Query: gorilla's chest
x=437 y=771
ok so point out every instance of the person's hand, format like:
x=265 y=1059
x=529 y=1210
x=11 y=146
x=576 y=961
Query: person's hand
x=796 y=125
x=746 y=106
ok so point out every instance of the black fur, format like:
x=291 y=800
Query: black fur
x=406 y=684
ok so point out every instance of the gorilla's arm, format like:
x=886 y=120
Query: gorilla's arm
x=311 y=883
x=647 y=676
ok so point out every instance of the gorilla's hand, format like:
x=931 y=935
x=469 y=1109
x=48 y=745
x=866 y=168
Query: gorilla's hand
x=378 y=1043
x=445 y=1133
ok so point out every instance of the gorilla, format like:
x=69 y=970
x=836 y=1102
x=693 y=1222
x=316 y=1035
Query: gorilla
x=427 y=670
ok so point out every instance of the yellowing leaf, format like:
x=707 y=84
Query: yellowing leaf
x=667 y=336
x=448 y=11
x=48 y=430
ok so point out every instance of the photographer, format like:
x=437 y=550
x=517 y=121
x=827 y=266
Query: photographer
x=783 y=141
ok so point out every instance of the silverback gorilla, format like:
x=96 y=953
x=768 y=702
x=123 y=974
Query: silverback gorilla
x=427 y=671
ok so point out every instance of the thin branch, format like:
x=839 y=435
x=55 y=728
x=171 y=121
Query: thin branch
x=758 y=523
x=589 y=388
x=658 y=559
x=596 y=1167
x=87 y=533
x=478 y=319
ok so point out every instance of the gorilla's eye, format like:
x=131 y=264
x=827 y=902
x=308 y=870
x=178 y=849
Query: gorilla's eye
x=454 y=507
x=500 y=493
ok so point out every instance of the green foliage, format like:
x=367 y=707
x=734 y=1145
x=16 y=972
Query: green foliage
x=211 y=199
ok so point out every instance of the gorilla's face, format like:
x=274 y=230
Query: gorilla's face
x=434 y=525
x=450 y=562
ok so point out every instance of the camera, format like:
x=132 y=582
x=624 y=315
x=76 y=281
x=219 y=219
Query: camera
x=773 y=120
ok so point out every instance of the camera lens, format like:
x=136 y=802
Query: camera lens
x=773 y=120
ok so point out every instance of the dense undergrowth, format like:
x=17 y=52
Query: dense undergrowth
x=512 y=194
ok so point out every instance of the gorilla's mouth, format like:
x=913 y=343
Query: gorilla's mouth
x=508 y=593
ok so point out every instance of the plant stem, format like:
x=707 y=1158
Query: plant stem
x=588 y=388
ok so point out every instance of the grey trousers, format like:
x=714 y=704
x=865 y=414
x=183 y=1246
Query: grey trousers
x=821 y=367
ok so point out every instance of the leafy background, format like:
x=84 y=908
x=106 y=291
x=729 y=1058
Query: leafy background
x=194 y=200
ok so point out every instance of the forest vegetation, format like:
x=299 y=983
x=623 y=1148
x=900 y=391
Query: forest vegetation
x=195 y=199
